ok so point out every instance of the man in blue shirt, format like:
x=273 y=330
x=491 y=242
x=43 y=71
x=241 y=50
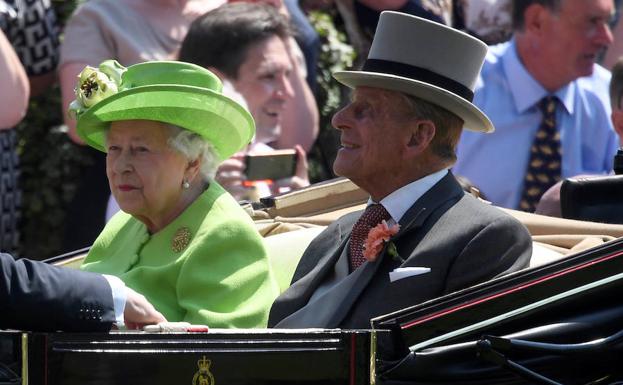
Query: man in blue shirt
x=552 y=53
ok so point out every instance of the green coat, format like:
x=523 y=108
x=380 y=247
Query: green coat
x=221 y=277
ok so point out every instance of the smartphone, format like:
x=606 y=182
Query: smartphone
x=275 y=165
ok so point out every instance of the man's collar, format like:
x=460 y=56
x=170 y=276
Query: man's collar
x=398 y=202
x=525 y=89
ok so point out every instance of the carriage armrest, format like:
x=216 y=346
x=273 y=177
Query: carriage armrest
x=595 y=198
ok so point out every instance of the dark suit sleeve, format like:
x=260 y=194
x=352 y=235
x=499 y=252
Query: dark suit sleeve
x=40 y=297
x=501 y=247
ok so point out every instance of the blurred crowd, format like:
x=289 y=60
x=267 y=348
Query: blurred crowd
x=540 y=69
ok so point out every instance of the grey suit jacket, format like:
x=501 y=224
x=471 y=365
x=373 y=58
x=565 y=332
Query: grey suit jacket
x=462 y=240
x=40 y=297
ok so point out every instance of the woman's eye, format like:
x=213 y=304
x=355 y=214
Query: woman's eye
x=113 y=148
x=141 y=149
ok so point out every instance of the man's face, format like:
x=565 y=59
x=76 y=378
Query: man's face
x=574 y=35
x=373 y=136
x=263 y=80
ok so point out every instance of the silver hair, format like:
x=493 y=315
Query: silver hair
x=193 y=146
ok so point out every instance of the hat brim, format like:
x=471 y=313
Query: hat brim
x=475 y=120
x=218 y=119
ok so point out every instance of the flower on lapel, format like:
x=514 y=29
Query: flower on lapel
x=377 y=236
x=96 y=84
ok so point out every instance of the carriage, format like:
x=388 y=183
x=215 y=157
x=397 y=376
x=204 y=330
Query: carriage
x=556 y=322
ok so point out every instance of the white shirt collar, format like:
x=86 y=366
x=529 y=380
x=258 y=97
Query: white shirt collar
x=398 y=202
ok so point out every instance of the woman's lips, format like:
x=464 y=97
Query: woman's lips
x=125 y=187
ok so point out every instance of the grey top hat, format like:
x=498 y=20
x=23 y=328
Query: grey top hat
x=424 y=59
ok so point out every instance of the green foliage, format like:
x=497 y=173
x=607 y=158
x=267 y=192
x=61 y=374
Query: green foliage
x=335 y=55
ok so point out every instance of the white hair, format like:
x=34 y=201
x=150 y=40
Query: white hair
x=194 y=146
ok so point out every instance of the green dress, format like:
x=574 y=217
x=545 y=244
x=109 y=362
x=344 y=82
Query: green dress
x=208 y=266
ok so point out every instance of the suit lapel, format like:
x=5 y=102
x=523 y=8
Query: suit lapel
x=359 y=280
x=445 y=190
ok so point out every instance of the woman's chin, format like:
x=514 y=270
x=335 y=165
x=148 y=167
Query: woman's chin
x=129 y=208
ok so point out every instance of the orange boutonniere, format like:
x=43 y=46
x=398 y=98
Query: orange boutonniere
x=379 y=235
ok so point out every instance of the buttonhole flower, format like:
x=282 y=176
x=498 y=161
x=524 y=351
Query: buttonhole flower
x=377 y=237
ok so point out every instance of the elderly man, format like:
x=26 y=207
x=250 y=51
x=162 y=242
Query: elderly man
x=548 y=101
x=398 y=137
x=40 y=297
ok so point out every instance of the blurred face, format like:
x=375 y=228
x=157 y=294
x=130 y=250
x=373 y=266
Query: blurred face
x=574 y=35
x=263 y=80
x=372 y=137
x=144 y=173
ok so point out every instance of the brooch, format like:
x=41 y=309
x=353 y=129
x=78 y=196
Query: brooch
x=181 y=239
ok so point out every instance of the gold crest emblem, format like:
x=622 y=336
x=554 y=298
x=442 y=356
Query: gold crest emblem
x=203 y=375
x=181 y=239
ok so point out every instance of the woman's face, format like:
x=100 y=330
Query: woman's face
x=144 y=173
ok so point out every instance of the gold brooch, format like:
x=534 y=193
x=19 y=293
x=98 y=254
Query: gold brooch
x=181 y=239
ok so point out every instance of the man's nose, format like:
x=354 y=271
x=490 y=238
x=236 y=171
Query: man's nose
x=285 y=89
x=340 y=120
x=603 y=34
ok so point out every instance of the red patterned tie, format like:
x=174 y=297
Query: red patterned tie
x=373 y=215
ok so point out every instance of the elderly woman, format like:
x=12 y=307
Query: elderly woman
x=181 y=240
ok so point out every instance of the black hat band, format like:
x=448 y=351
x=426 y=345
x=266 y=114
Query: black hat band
x=420 y=74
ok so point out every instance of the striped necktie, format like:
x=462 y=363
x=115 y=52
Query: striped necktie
x=544 y=167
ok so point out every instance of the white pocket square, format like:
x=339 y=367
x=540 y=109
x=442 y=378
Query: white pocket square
x=405 y=272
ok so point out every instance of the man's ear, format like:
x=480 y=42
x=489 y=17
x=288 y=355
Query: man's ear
x=617 y=123
x=535 y=16
x=422 y=133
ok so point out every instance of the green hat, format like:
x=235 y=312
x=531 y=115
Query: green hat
x=177 y=93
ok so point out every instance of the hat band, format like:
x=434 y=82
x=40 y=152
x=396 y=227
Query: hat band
x=420 y=74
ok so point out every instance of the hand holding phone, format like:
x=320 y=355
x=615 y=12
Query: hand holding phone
x=274 y=165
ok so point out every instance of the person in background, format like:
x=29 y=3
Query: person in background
x=550 y=202
x=616 y=94
x=250 y=49
x=130 y=31
x=39 y=297
x=616 y=49
x=421 y=236
x=307 y=39
x=181 y=239
x=30 y=27
x=548 y=100
x=16 y=90
x=488 y=20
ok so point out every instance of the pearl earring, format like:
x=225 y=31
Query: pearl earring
x=185 y=185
